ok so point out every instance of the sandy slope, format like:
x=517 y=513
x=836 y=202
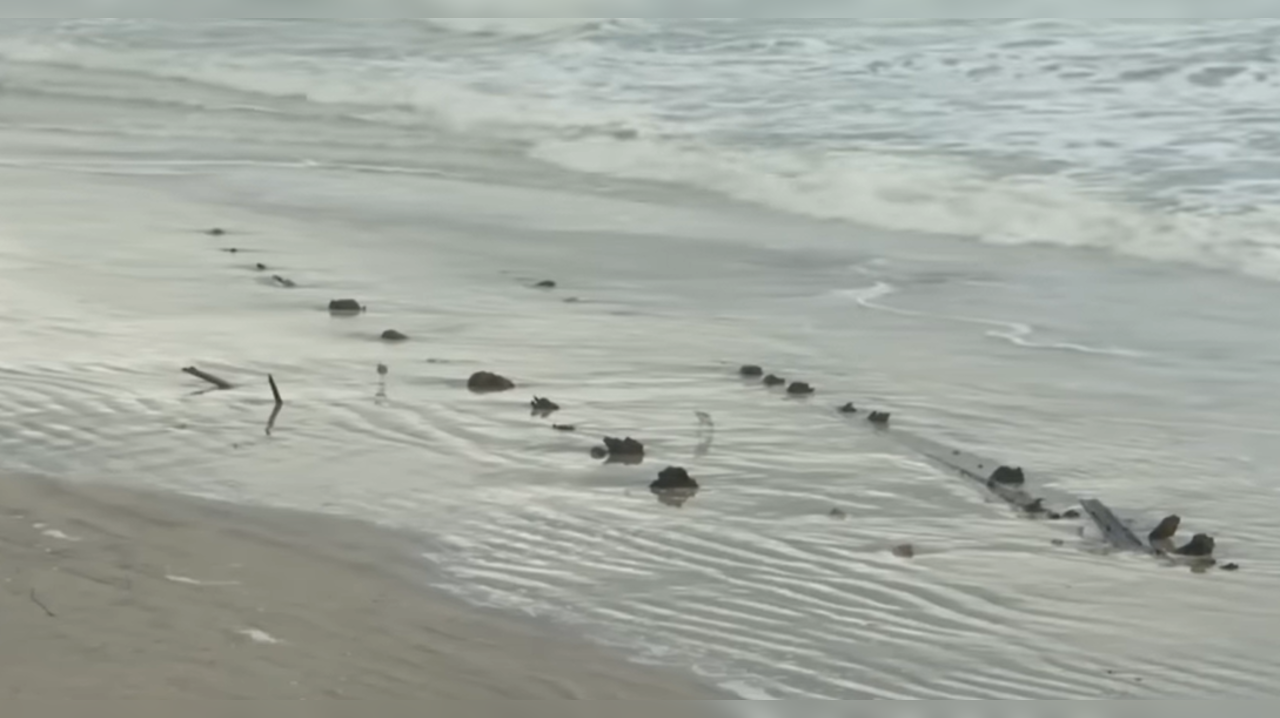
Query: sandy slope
x=159 y=596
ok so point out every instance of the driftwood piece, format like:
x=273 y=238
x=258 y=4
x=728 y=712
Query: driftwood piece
x=275 y=390
x=1113 y=530
x=275 y=411
x=219 y=383
x=36 y=600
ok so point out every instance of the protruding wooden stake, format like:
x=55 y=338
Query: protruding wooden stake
x=275 y=391
x=275 y=412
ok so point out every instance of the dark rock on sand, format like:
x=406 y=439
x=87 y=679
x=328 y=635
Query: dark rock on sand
x=392 y=335
x=345 y=306
x=799 y=388
x=848 y=409
x=673 y=477
x=282 y=281
x=1231 y=567
x=906 y=550
x=838 y=514
x=567 y=427
x=1201 y=545
x=773 y=380
x=215 y=232
x=1071 y=514
x=1035 y=507
x=1166 y=530
x=1007 y=476
x=620 y=451
x=543 y=405
x=879 y=418
x=230 y=250
x=674 y=486
x=483 y=381
x=599 y=452
x=260 y=267
x=751 y=371
x=546 y=284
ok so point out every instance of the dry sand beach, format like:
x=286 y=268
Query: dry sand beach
x=110 y=593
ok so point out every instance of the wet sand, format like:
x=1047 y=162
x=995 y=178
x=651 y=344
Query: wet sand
x=114 y=593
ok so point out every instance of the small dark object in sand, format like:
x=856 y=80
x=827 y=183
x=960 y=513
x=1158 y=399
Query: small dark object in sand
x=215 y=232
x=1053 y=516
x=1035 y=506
x=230 y=250
x=623 y=448
x=1058 y=542
x=566 y=427
x=483 y=381
x=1166 y=530
x=1231 y=567
x=345 y=306
x=799 y=388
x=673 y=478
x=1007 y=476
x=674 y=487
x=545 y=284
x=392 y=335
x=283 y=281
x=773 y=380
x=260 y=267
x=1201 y=545
x=879 y=418
x=543 y=405
x=751 y=371
x=848 y=409
x=906 y=550
x=1071 y=514
x=36 y=600
x=626 y=451
x=571 y=300
x=838 y=514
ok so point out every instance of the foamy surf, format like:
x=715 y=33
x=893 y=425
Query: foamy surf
x=1016 y=333
x=855 y=160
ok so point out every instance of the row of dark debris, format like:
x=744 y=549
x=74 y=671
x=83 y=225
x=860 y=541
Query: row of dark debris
x=800 y=388
x=1201 y=546
x=674 y=486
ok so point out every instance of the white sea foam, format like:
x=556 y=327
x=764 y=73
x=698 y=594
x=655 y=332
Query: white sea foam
x=259 y=636
x=1087 y=137
x=196 y=582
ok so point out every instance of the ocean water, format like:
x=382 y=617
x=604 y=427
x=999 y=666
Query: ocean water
x=1054 y=243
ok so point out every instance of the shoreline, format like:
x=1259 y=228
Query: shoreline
x=121 y=593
